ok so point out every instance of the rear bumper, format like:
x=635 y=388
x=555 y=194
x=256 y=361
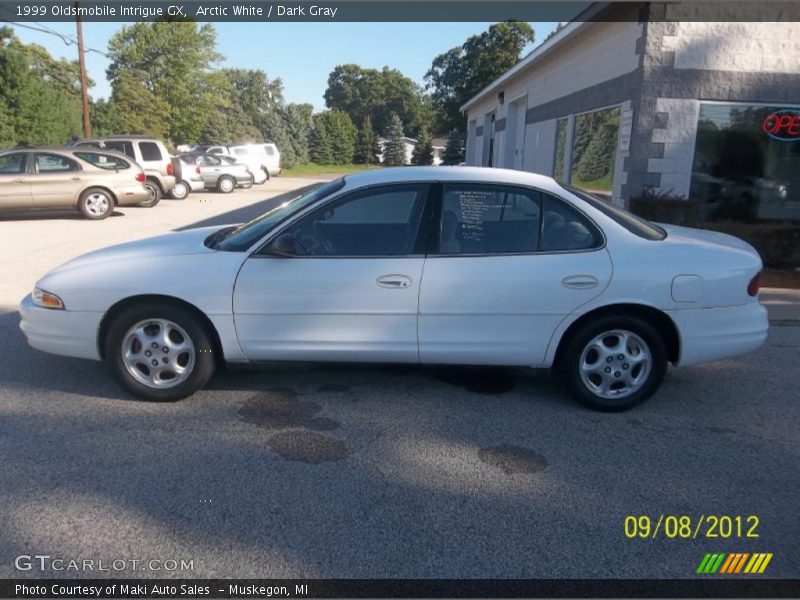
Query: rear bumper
x=244 y=180
x=196 y=185
x=714 y=333
x=130 y=195
x=64 y=332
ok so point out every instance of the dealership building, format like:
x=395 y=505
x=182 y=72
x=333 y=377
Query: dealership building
x=635 y=99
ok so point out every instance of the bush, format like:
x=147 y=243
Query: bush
x=778 y=243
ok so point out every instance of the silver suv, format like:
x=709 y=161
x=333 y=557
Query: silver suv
x=160 y=169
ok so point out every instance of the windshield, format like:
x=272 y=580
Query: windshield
x=241 y=238
x=636 y=225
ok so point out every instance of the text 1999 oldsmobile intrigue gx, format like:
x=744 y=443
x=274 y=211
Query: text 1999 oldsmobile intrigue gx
x=430 y=265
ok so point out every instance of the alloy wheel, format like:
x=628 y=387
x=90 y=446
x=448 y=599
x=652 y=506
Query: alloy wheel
x=97 y=204
x=615 y=364
x=158 y=353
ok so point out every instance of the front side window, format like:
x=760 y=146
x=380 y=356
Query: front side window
x=240 y=151
x=125 y=148
x=485 y=219
x=103 y=161
x=11 y=164
x=373 y=222
x=150 y=151
x=53 y=163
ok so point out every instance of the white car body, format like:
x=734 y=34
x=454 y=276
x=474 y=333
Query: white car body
x=509 y=309
x=263 y=160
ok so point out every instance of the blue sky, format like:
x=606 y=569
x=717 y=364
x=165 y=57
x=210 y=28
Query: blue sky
x=301 y=54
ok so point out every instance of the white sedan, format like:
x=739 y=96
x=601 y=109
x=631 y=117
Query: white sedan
x=428 y=265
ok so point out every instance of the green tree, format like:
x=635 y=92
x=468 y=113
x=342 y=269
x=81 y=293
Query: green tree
x=173 y=61
x=320 y=143
x=139 y=111
x=289 y=126
x=394 y=146
x=423 y=151
x=343 y=138
x=378 y=94
x=39 y=95
x=458 y=74
x=454 y=149
x=104 y=118
x=367 y=150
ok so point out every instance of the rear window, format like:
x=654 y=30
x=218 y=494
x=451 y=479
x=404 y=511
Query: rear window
x=636 y=225
x=103 y=161
x=150 y=151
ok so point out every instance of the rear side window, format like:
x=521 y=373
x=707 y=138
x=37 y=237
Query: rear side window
x=487 y=219
x=54 y=163
x=150 y=151
x=103 y=161
x=125 y=147
x=564 y=228
x=12 y=163
x=269 y=150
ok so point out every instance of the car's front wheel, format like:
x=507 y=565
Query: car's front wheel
x=159 y=352
x=614 y=363
x=180 y=191
x=226 y=184
x=155 y=194
x=96 y=204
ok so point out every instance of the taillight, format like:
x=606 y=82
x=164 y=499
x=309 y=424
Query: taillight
x=754 y=285
x=197 y=170
x=170 y=169
x=140 y=177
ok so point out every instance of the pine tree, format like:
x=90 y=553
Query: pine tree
x=394 y=148
x=597 y=160
x=423 y=151
x=365 y=153
x=343 y=136
x=320 y=148
x=454 y=150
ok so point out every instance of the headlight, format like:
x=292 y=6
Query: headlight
x=46 y=299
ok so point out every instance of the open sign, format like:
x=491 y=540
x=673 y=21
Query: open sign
x=783 y=125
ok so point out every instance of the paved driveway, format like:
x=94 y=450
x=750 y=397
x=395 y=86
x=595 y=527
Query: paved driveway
x=353 y=471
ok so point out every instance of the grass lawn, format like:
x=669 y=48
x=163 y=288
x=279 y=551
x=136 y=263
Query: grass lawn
x=596 y=185
x=314 y=170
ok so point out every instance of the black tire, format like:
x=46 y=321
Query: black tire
x=203 y=364
x=226 y=184
x=569 y=367
x=266 y=172
x=155 y=194
x=180 y=191
x=96 y=204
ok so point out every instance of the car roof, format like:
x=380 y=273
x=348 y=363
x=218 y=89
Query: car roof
x=442 y=173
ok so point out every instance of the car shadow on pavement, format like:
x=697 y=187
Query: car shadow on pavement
x=41 y=215
x=250 y=212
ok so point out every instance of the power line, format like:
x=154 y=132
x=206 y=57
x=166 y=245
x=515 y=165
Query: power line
x=68 y=40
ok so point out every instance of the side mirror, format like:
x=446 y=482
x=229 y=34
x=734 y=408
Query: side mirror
x=283 y=246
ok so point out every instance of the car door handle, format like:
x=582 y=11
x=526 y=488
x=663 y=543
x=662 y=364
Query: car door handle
x=77 y=179
x=396 y=282
x=579 y=282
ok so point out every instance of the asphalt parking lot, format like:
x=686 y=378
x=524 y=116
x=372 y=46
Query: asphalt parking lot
x=354 y=471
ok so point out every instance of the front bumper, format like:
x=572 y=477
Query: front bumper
x=708 y=334
x=64 y=332
x=131 y=195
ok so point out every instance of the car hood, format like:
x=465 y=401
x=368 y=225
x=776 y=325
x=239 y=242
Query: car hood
x=178 y=243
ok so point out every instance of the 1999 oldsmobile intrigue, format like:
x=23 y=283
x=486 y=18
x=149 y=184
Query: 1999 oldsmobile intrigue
x=429 y=265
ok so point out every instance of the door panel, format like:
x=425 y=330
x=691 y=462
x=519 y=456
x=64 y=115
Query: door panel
x=56 y=182
x=337 y=309
x=15 y=189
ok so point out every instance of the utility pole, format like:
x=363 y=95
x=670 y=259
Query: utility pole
x=87 y=125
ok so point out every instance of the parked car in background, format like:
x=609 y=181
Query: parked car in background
x=91 y=180
x=264 y=160
x=159 y=168
x=190 y=179
x=421 y=265
x=218 y=174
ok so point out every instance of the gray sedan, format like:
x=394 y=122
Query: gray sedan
x=218 y=174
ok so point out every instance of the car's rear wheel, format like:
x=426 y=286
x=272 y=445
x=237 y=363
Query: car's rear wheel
x=226 y=184
x=180 y=191
x=614 y=363
x=96 y=204
x=159 y=352
x=155 y=194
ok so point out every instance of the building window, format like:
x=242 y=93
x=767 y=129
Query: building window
x=747 y=162
x=594 y=150
x=561 y=149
